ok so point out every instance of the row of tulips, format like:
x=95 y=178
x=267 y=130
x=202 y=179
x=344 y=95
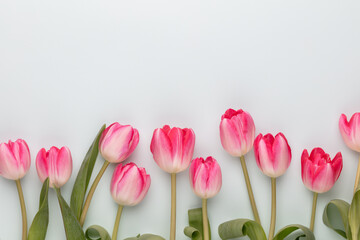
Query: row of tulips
x=172 y=150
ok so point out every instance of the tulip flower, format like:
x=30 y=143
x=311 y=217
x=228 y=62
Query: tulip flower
x=116 y=144
x=172 y=150
x=319 y=174
x=14 y=164
x=350 y=132
x=129 y=185
x=205 y=180
x=237 y=133
x=273 y=156
x=55 y=164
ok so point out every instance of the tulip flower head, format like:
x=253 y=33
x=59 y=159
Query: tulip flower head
x=350 y=131
x=14 y=159
x=205 y=177
x=237 y=132
x=55 y=164
x=129 y=184
x=173 y=148
x=273 y=155
x=117 y=142
x=319 y=173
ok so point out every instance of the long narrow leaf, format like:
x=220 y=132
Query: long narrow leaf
x=294 y=232
x=40 y=223
x=335 y=216
x=97 y=232
x=72 y=226
x=354 y=216
x=241 y=228
x=146 y=237
x=195 y=229
x=84 y=175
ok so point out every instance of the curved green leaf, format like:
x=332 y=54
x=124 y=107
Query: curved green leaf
x=146 y=237
x=354 y=216
x=335 y=211
x=195 y=228
x=96 y=232
x=294 y=232
x=240 y=228
x=84 y=175
x=72 y=226
x=40 y=223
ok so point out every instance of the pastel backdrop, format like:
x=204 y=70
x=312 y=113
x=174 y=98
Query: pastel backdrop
x=68 y=67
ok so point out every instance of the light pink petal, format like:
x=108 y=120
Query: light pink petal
x=63 y=166
x=281 y=154
x=161 y=149
x=230 y=138
x=42 y=165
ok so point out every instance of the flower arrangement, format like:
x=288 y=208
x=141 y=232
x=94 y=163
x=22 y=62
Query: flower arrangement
x=172 y=150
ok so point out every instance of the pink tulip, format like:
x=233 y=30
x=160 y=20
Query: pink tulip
x=237 y=132
x=350 y=131
x=55 y=164
x=117 y=142
x=129 y=184
x=14 y=159
x=319 y=173
x=273 y=155
x=205 y=177
x=173 y=148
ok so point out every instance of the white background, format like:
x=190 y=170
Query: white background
x=67 y=67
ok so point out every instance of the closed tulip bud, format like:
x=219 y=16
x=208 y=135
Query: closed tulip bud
x=273 y=155
x=14 y=159
x=55 y=164
x=237 y=132
x=117 y=142
x=205 y=177
x=318 y=172
x=129 y=184
x=350 y=131
x=173 y=148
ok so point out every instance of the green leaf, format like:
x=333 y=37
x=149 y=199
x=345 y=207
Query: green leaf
x=96 y=232
x=241 y=228
x=354 y=216
x=294 y=232
x=195 y=228
x=335 y=216
x=84 y=175
x=72 y=226
x=146 y=237
x=40 y=222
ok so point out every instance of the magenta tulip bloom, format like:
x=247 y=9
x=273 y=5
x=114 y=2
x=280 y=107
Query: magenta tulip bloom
x=319 y=173
x=55 y=164
x=129 y=184
x=350 y=131
x=14 y=159
x=273 y=155
x=173 y=148
x=205 y=177
x=117 y=142
x=237 y=132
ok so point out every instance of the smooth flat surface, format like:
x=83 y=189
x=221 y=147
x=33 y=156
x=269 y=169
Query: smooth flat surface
x=67 y=67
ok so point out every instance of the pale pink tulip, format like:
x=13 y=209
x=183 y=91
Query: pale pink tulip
x=237 y=132
x=117 y=142
x=129 y=184
x=55 y=164
x=273 y=155
x=350 y=131
x=173 y=148
x=14 y=159
x=319 y=173
x=205 y=177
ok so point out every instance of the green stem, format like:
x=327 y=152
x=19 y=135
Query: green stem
x=250 y=191
x=23 y=209
x=357 y=179
x=117 y=221
x=273 y=208
x=313 y=212
x=205 y=219
x=173 y=207
x=91 y=192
